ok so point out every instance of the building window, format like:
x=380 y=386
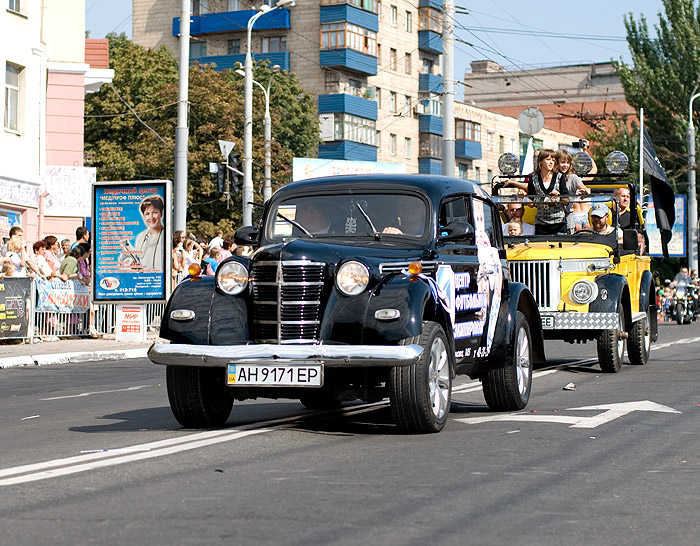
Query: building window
x=393 y=15
x=429 y=19
x=433 y=106
x=14 y=6
x=463 y=171
x=407 y=63
x=355 y=129
x=427 y=66
x=513 y=146
x=407 y=105
x=12 y=73
x=392 y=59
x=409 y=21
x=467 y=130
x=407 y=144
x=234 y=5
x=430 y=145
x=392 y=144
x=234 y=47
x=489 y=140
x=489 y=173
x=367 y=5
x=274 y=44
x=198 y=49
x=477 y=174
x=341 y=35
x=199 y=7
x=392 y=102
x=501 y=144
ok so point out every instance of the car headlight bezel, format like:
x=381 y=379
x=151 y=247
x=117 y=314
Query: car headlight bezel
x=583 y=292
x=352 y=278
x=232 y=278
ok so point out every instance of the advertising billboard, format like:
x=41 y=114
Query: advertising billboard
x=130 y=227
x=676 y=246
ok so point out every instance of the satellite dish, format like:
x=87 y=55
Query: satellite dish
x=531 y=120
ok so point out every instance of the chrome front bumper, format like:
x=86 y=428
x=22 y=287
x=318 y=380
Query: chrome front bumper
x=332 y=356
x=568 y=320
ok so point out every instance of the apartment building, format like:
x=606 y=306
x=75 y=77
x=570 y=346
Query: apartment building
x=44 y=187
x=374 y=66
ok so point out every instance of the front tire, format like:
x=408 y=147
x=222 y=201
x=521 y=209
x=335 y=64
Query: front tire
x=611 y=345
x=420 y=394
x=639 y=342
x=198 y=397
x=508 y=388
x=680 y=318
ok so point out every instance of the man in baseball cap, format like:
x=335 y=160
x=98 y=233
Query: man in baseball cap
x=600 y=213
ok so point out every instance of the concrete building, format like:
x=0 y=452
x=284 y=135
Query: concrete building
x=44 y=187
x=574 y=99
x=375 y=68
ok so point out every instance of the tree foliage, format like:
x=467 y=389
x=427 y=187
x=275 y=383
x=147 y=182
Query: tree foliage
x=664 y=72
x=130 y=127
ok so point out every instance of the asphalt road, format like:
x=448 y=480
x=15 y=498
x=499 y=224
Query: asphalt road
x=90 y=454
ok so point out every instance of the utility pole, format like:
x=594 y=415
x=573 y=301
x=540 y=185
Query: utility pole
x=692 y=198
x=448 y=90
x=182 y=130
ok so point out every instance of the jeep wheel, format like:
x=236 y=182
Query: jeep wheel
x=508 y=388
x=639 y=342
x=420 y=394
x=198 y=397
x=611 y=345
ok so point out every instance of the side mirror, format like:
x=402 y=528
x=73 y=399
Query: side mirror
x=456 y=231
x=629 y=239
x=246 y=236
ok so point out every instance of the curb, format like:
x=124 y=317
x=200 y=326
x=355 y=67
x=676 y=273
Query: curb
x=62 y=358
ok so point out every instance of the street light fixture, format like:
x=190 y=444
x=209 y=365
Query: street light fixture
x=692 y=199
x=267 y=185
x=248 y=113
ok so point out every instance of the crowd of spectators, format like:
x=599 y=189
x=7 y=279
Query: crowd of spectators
x=189 y=250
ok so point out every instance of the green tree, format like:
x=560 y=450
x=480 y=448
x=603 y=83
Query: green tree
x=130 y=127
x=616 y=136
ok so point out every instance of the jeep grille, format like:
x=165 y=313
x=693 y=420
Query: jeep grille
x=287 y=301
x=541 y=278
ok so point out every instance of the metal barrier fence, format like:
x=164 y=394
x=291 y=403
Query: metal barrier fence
x=106 y=316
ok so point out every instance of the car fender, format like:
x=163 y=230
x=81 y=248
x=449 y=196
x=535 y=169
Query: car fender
x=612 y=288
x=219 y=319
x=648 y=300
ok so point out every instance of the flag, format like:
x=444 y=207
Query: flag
x=661 y=193
x=527 y=166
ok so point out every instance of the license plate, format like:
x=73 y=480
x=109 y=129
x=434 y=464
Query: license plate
x=547 y=322
x=281 y=375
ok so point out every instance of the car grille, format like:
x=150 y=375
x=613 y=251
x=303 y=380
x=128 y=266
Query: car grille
x=287 y=301
x=541 y=278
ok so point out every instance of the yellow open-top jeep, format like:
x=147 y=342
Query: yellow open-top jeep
x=588 y=285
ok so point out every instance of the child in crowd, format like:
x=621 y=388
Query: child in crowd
x=515 y=228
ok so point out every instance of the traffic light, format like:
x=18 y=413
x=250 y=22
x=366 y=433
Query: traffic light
x=221 y=177
x=233 y=159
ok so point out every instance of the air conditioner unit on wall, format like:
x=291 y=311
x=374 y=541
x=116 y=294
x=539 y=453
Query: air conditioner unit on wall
x=418 y=109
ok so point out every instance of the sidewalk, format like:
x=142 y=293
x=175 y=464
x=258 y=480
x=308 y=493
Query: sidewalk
x=71 y=350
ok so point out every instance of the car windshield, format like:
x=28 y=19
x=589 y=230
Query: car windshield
x=376 y=214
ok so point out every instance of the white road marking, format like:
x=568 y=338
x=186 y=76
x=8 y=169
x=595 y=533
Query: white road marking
x=83 y=394
x=613 y=411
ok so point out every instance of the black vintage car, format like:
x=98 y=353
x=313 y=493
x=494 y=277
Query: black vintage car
x=358 y=288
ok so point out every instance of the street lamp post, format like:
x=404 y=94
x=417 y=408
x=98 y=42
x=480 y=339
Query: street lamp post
x=692 y=199
x=267 y=122
x=248 y=114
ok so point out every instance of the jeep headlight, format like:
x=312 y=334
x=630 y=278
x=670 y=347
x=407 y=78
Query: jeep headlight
x=231 y=278
x=352 y=278
x=583 y=292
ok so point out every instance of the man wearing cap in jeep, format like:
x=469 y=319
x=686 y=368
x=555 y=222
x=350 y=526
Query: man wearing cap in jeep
x=600 y=213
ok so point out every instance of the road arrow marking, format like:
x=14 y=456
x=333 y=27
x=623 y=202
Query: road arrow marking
x=612 y=412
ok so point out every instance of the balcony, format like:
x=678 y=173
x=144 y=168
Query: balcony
x=233 y=21
x=467 y=149
x=351 y=60
x=427 y=165
x=430 y=124
x=429 y=83
x=349 y=104
x=350 y=14
x=345 y=149
x=224 y=62
x=430 y=42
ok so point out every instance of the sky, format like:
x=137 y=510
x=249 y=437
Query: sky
x=512 y=33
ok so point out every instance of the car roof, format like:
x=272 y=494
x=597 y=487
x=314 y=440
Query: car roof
x=434 y=186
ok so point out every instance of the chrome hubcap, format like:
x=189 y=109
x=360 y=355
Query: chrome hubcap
x=439 y=378
x=621 y=341
x=523 y=368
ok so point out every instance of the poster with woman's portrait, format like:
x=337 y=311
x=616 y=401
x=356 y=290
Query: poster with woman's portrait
x=130 y=229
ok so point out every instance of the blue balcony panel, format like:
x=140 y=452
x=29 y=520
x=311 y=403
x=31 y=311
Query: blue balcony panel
x=345 y=149
x=230 y=21
x=428 y=165
x=467 y=149
x=223 y=62
x=429 y=83
x=351 y=14
x=349 y=59
x=430 y=124
x=436 y=4
x=350 y=104
x=430 y=42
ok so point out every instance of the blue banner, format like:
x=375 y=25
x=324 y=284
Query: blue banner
x=62 y=297
x=131 y=241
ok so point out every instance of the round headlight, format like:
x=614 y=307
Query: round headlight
x=583 y=292
x=680 y=291
x=508 y=163
x=352 y=278
x=581 y=163
x=616 y=162
x=231 y=278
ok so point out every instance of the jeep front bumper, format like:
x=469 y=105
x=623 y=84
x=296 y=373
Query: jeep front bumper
x=332 y=356
x=571 y=320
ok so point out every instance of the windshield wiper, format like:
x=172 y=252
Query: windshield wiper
x=295 y=224
x=377 y=235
